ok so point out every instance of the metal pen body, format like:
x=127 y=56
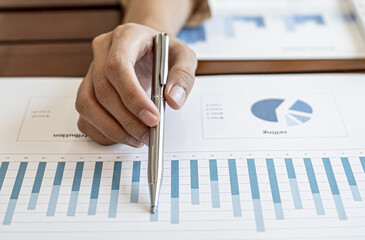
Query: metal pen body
x=156 y=141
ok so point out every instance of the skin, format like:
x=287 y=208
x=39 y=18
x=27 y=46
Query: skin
x=112 y=100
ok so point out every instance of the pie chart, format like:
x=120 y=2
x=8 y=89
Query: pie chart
x=297 y=112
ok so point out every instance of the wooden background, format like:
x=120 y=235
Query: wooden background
x=53 y=38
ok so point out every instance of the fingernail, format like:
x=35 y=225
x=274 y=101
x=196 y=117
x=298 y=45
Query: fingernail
x=178 y=94
x=146 y=139
x=148 y=118
x=133 y=142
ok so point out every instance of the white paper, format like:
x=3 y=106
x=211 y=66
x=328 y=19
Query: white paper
x=222 y=199
x=299 y=29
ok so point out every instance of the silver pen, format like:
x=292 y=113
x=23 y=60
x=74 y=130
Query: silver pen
x=156 y=143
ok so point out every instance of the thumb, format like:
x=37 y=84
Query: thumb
x=181 y=76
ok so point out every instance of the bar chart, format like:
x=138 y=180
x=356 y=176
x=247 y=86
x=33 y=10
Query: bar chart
x=303 y=30
x=292 y=22
x=257 y=190
x=191 y=35
x=225 y=25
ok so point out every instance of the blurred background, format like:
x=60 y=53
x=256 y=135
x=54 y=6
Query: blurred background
x=53 y=37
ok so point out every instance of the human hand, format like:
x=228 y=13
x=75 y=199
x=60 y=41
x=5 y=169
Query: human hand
x=112 y=100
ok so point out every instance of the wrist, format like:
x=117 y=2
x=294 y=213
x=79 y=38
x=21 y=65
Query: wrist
x=152 y=22
x=163 y=15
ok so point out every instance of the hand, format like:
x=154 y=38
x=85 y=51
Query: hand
x=112 y=100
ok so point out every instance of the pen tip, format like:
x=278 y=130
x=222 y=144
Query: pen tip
x=153 y=209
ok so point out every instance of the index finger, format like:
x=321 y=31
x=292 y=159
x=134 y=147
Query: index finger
x=130 y=43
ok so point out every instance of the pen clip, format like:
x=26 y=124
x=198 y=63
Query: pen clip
x=163 y=39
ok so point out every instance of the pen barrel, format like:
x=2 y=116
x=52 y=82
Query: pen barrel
x=156 y=143
x=156 y=149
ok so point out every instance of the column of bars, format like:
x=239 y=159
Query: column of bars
x=194 y=184
x=94 y=195
x=37 y=186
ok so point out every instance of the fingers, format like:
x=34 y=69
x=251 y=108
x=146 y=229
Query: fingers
x=181 y=77
x=112 y=103
x=93 y=132
x=129 y=45
x=91 y=111
x=108 y=97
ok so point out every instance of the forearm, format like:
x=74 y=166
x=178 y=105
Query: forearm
x=164 y=15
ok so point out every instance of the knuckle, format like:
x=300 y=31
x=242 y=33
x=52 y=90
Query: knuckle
x=83 y=104
x=114 y=133
x=131 y=96
x=131 y=126
x=130 y=25
x=104 y=93
x=125 y=27
x=112 y=66
x=118 y=31
x=121 y=29
x=185 y=78
x=85 y=128
x=98 y=41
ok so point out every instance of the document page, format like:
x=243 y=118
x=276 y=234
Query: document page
x=248 y=157
x=274 y=30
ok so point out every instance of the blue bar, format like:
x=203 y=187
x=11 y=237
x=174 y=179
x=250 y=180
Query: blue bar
x=362 y=160
x=94 y=195
x=253 y=179
x=292 y=21
x=154 y=216
x=348 y=171
x=293 y=184
x=175 y=218
x=236 y=201
x=175 y=192
x=330 y=176
x=15 y=193
x=229 y=23
x=233 y=176
x=3 y=170
x=113 y=205
x=228 y=27
x=19 y=180
x=77 y=177
x=136 y=171
x=75 y=189
x=36 y=186
x=194 y=182
x=314 y=186
x=135 y=181
x=214 y=185
x=311 y=176
x=192 y=34
x=290 y=168
x=301 y=19
x=213 y=170
x=255 y=193
x=334 y=189
x=274 y=188
x=351 y=179
x=217 y=25
x=55 y=189
x=273 y=180
x=258 y=20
